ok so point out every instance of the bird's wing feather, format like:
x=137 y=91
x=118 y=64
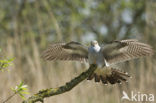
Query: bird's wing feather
x=119 y=51
x=66 y=51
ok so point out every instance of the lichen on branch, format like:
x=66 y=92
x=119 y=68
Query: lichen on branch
x=62 y=89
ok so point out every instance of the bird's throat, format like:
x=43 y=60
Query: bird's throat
x=97 y=48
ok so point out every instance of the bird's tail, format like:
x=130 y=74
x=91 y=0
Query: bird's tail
x=109 y=75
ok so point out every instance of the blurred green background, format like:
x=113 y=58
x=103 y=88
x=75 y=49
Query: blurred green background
x=27 y=27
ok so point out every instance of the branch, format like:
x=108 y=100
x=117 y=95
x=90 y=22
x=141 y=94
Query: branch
x=62 y=89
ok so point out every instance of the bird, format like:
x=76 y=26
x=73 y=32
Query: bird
x=104 y=56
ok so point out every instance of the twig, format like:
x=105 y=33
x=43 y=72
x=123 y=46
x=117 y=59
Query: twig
x=62 y=89
x=9 y=98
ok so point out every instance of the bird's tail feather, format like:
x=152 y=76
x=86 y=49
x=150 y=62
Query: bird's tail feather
x=109 y=75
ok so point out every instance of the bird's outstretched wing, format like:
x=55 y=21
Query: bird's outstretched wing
x=119 y=51
x=66 y=51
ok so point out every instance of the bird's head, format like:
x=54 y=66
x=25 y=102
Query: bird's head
x=94 y=43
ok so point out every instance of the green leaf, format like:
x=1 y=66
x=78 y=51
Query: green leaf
x=5 y=63
x=24 y=92
x=21 y=89
x=21 y=95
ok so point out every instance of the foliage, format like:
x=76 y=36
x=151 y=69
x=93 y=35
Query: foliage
x=21 y=89
x=66 y=20
x=5 y=63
